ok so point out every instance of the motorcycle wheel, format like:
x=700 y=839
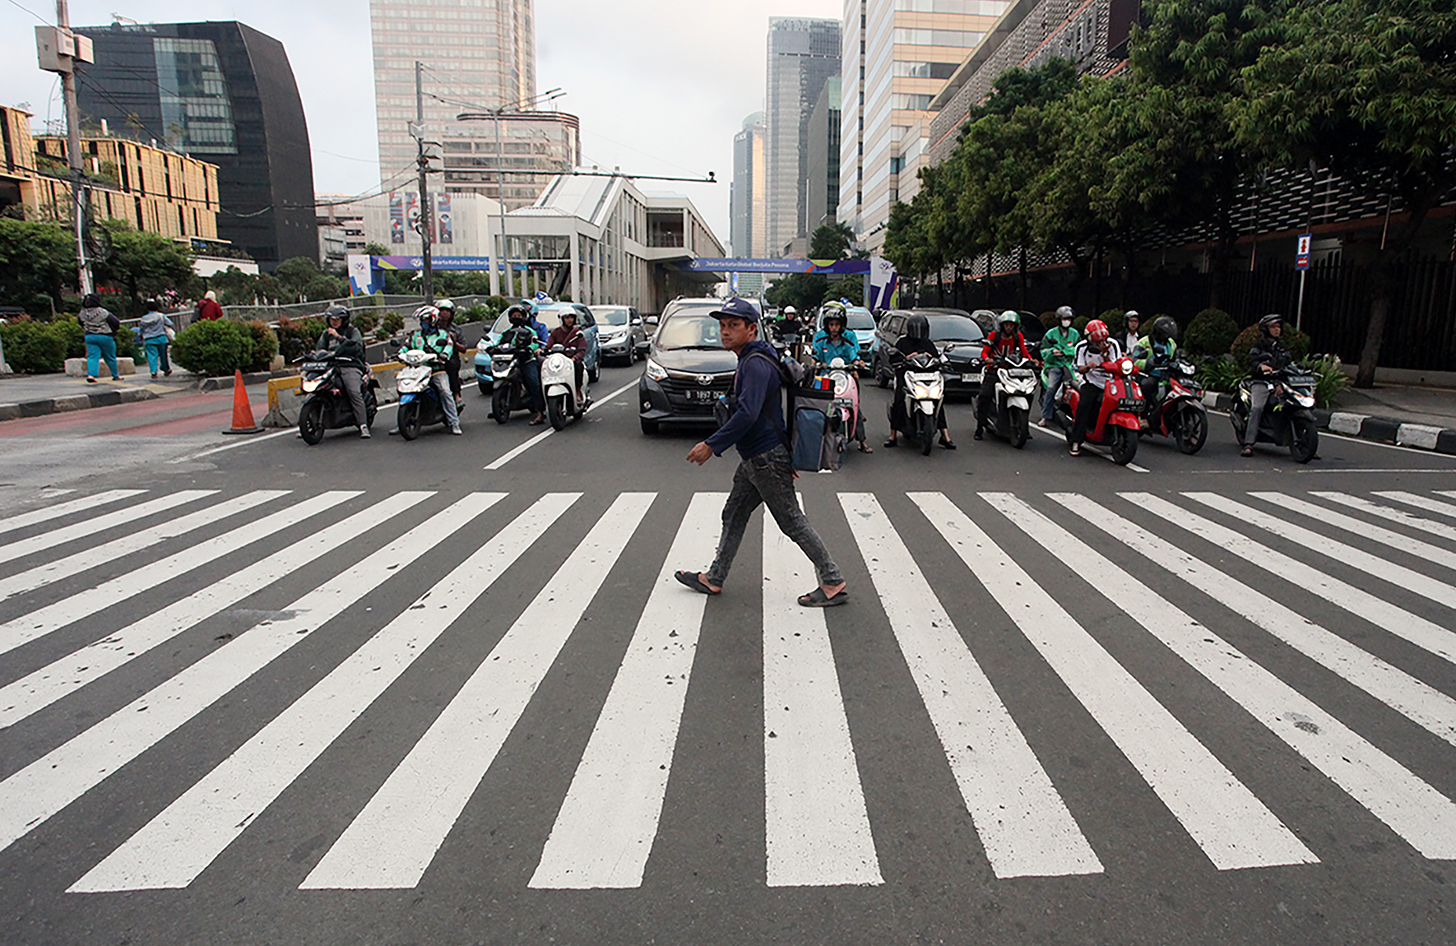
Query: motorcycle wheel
x=556 y=412
x=500 y=403
x=595 y=374
x=311 y=423
x=1124 y=446
x=409 y=420
x=1240 y=424
x=881 y=378
x=1305 y=440
x=1020 y=427
x=1192 y=430
x=927 y=437
x=371 y=407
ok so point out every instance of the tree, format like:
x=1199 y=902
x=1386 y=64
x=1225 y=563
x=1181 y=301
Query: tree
x=36 y=258
x=832 y=241
x=1367 y=87
x=299 y=279
x=146 y=263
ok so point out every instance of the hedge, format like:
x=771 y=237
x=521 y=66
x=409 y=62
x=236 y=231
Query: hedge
x=35 y=347
x=1211 y=332
x=214 y=348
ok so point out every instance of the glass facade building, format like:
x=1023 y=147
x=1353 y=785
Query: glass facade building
x=803 y=54
x=225 y=93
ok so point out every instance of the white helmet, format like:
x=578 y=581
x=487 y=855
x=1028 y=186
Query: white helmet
x=790 y=310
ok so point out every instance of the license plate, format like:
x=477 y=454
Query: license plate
x=700 y=395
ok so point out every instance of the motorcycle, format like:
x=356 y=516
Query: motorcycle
x=1180 y=413
x=558 y=382
x=1288 y=419
x=1118 y=423
x=507 y=368
x=419 y=400
x=326 y=403
x=844 y=407
x=924 y=394
x=1015 y=393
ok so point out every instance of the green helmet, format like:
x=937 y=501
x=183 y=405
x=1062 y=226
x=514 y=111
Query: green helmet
x=1008 y=316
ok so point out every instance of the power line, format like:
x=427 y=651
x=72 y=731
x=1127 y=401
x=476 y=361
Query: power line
x=30 y=11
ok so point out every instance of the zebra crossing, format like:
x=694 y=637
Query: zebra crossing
x=1200 y=576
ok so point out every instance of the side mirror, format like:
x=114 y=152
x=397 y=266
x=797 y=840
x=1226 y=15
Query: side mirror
x=636 y=320
x=652 y=320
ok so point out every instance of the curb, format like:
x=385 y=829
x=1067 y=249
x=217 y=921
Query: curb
x=1391 y=430
x=74 y=402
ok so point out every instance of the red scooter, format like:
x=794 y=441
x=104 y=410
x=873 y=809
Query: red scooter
x=1117 y=421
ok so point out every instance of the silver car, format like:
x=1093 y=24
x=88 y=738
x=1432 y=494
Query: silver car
x=620 y=333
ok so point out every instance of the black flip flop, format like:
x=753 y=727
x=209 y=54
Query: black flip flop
x=818 y=599
x=692 y=580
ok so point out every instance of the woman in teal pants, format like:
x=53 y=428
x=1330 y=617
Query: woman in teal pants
x=154 y=327
x=100 y=327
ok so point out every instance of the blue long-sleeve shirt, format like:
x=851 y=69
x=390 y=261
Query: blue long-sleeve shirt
x=758 y=424
x=826 y=350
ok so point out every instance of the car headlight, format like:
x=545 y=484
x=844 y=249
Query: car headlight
x=655 y=371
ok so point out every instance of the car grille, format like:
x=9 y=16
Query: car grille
x=684 y=402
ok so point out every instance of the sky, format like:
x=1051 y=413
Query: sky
x=661 y=86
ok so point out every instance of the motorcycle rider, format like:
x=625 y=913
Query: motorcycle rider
x=343 y=340
x=1153 y=356
x=523 y=334
x=1133 y=323
x=916 y=339
x=837 y=341
x=1099 y=346
x=570 y=337
x=1267 y=358
x=1007 y=340
x=1058 y=351
x=446 y=321
x=435 y=340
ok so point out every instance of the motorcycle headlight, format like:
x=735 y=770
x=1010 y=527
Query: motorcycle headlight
x=655 y=371
x=1305 y=400
x=310 y=385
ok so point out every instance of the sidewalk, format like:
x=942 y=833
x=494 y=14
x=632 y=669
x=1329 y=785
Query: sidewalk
x=33 y=395
x=1408 y=415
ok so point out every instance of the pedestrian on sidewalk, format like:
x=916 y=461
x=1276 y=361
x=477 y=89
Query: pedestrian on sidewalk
x=765 y=472
x=207 y=308
x=100 y=327
x=156 y=332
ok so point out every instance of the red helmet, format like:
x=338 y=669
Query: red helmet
x=1097 y=331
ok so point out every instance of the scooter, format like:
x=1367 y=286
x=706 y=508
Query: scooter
x=924 y=394
x=1288 y=419
x=1180 y=413
x=419 y=400
x=1015 y=392
x=843 y=413
x=507 y=361
x=558 y=382
x=326 y=403
x=1117 y=421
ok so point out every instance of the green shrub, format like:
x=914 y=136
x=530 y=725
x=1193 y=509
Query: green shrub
x=1296 y=341
x=1221 y=373
x=365 y=321
x=476 y=313
x=68 y=330
x=1115 y=322
x=297 y=337
x=265 y=345
x=214 y=349
x=1211 y=332
x=1332 y=379
x=34 y=347
x=498 y=303
x=1048 y=319
x=390 y=325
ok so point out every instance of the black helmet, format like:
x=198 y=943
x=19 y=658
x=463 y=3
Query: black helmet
x=1269 y=321
x=519 y=314
x=339 y=312
x=1164 y=328
x=917 y=326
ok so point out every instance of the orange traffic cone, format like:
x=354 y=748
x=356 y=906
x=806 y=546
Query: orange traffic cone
x=243 y=422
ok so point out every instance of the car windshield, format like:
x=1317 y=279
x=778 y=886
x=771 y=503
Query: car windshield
x=610 y=315
x=954 y=328
x=689 y=330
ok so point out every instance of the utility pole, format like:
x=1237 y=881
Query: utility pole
x=426 y=217
x=67 y=51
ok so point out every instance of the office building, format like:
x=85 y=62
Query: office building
x=543 y=143
x=222 y=92
x=821 y=180
x=897 y=55
x=803 y=54
x=748 y=210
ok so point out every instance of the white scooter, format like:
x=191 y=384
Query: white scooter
x=924 y=393
x=558 y=384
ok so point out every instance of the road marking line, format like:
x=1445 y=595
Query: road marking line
x=1398 y=575
x=1421 y=703
x=1409 y=806
x=28 y=627
x=86 y=559
x=257 y=438
x=393 y=840
x=1419 y=501
x=606 y=826
x=517 y=451
x=24 y=519
x=49 y=784
x=1090 y=448
x=41 y=688
x=1233 y=828
x=1023 y=823
x=1385 y=512
x=91 y=527
x=177 y=845
x=816 y=826
x=1374 y=533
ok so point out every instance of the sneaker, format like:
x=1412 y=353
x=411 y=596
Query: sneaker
x=1075 y=450
x=1041 y=423
x=364 y=432
x=976 y=436
x=154 y=376
x=456 y=430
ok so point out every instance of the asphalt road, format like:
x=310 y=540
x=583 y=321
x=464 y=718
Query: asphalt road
x=447 y=692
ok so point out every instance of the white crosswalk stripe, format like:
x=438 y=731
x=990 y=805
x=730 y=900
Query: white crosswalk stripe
x=820 y=805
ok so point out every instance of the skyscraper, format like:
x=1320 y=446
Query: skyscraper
x=747 y=213
x=821 y=177
x=897 y=56
x=222 y=92
x=802 y=55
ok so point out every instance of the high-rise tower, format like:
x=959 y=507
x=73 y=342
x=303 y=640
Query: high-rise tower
x=802 y=55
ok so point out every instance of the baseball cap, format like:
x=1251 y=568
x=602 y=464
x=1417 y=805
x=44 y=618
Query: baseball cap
x=738 y=309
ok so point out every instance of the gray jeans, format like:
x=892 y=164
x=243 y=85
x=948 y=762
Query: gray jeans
x=769 y=479
x=1259 y=392
x=353 y=379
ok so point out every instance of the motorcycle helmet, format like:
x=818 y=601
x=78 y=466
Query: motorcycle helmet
x=790 y=311
x=1268 y=322
x=1132 y=314
x=518 y=314
x=1064 y=313
x=1097 y=331
x=834 y=312
x=339 y=312
x=1164 y=329
x=426 y=314
x=1010 y=317
x=446 y=305
x=917 y=326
